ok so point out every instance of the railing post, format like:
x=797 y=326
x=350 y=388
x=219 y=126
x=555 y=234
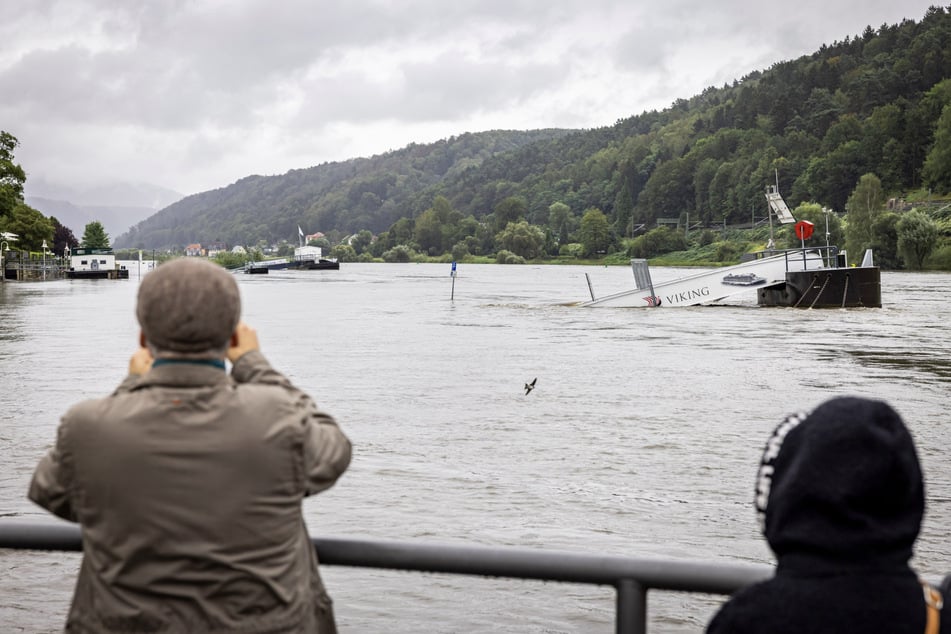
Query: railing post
x=631 y=607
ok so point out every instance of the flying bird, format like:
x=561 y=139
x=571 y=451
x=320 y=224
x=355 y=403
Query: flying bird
x=530 y=386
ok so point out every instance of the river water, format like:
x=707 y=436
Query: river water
x=641 y=437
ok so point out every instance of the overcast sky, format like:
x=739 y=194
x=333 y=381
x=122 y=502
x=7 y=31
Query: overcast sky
x=194 y=94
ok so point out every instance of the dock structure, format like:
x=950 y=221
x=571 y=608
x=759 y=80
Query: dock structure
x=25 y=266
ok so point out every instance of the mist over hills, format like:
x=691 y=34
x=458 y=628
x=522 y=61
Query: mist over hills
x=116 y=220
x=118 y=206
x=103 y=195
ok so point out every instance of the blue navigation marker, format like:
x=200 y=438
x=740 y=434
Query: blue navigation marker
x=452 y=274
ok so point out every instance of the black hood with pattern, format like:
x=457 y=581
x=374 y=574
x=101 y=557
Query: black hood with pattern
x=841 y=488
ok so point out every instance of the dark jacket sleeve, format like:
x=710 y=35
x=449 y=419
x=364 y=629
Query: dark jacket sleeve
x=740 y=614
x=327 y=450
x=719 y=624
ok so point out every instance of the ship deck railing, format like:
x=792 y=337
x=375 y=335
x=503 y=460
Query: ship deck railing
x=829 y=254
x=631 y=577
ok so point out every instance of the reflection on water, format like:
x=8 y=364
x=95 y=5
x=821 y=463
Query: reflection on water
x=641 y=436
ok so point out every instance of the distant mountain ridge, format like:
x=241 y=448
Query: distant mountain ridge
x=103 y=195
x=871 y=103
x=115 y=219
x=361 y=193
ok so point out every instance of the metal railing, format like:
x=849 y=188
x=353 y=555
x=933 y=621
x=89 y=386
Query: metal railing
x=631 y=577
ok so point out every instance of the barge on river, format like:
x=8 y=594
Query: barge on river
x=306 y=258
x=95 y=264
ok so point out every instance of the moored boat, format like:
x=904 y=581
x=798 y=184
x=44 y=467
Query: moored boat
x=94 y=264
x=310 y=259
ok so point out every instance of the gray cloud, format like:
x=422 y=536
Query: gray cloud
x=193 y=95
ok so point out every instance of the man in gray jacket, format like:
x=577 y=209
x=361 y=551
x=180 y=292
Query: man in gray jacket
x=188 y=482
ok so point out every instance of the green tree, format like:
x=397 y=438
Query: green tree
x=12 y=175
x=95 y=236
x=230 y=260
x=885 y=240
x=831 y=174
x=31 y=226
x=443 y=209
x=917 y=238
x=522 y=239
x=571 y=249
x=505 y=256
x=381 y=244
x=703 y=177
x=429 y=232
x=361 y=241
x=655 y=242
x=558 y=215
x=344 y=253
x=669 y=191
x=459 y=251
x=511 y=209
x=937 y=167
x=400 y=233
x=465 y=231
x=595 y=232
x=399 y=253
x=863 y=206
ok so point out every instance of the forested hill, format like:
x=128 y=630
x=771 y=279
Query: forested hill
x=871 y=103
x=348 y=196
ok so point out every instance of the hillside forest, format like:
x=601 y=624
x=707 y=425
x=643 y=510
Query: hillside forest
x=856 y=136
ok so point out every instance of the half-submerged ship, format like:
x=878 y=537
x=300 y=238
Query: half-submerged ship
x=813 y=277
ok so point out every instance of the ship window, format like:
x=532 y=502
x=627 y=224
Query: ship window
x=84 y=262
x=102 y=261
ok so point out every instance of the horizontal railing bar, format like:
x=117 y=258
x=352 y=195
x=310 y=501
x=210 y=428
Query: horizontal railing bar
x=551 y=565
x=632 y=577
x=493 y=561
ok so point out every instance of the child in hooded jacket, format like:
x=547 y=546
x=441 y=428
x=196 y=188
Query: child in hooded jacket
x=840 y=496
